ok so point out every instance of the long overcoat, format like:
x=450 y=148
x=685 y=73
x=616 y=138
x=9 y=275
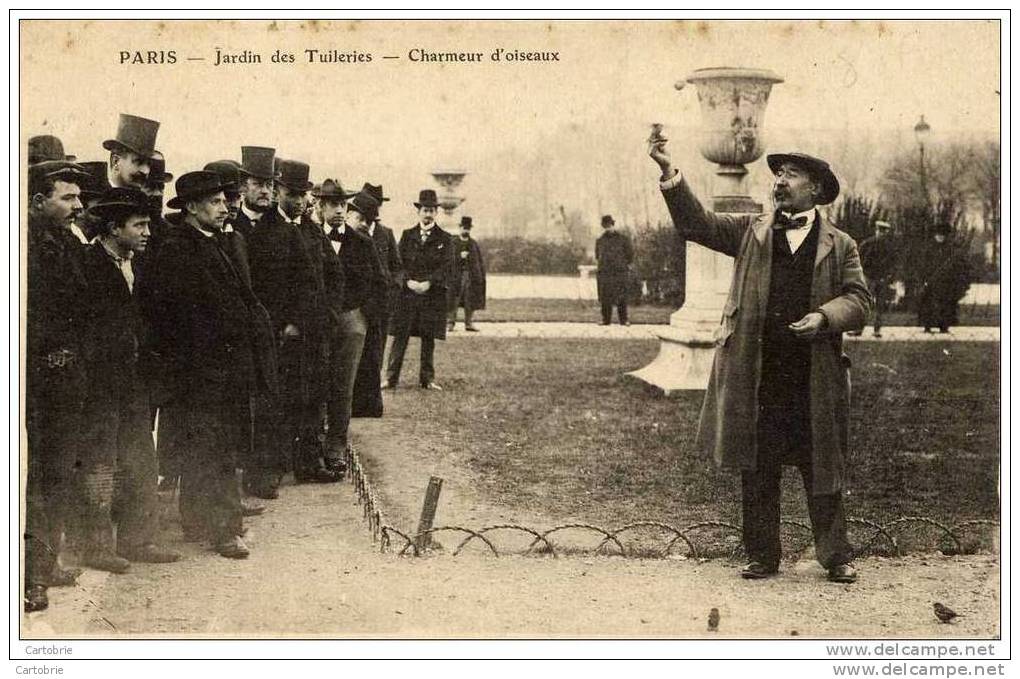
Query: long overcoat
x=423 y=315
x=614 y=254
x=728 y=425
x=474 y=266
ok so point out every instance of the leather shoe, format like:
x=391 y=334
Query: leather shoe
x=757 y=571
x=336 y=466
x=63 y=577
x=105 y=561
x=388 y=386
x=471 y=328
x=432 y=386
x=248 y=509
x=843 y=572
x=316 y=475
x=36 y=598
x=232 y=548
x=149 y=553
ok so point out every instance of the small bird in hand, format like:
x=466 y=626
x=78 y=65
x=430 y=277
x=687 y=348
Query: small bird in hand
x=944 y=613
x=713 y=620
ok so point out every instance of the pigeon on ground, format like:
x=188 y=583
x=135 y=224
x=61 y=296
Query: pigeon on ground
x=944 y=613
x=713 y=620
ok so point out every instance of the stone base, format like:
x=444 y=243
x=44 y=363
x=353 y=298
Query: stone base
x=684 y=362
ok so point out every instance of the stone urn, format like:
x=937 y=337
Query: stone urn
x=733 y=102
x=449 y=199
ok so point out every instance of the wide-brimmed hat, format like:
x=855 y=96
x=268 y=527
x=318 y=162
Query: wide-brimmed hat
x=257 y=161
x=196 y=185
x=134 y=134
x=293 y=174
x=157 y=170
x=375 y=191
x=816 y=167
x=331 y=188
x=55 y=169
x=465 y=222
x=365 y=204
x=45 y=147
x=118 y=201
x=229 y=172
x=427 y=198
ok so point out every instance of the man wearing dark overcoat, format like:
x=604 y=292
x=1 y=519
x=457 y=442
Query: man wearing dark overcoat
x=427 y=255
x=468 y=280
x=945 y=277
x=362 y=304
x=614 y=254
x=284 y=281
x=117 y=432
x=215 y=349
x=779 y=392
x=54 y=371
x=368 y=400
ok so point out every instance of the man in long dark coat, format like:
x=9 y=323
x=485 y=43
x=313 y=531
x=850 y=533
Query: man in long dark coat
x=779 y=393
x=368 y=400
x=54 y=371
x=118 y=433
x=614 y=254
x=213 y=351
x=427 y=254
x=945 y=279
x=468 y=279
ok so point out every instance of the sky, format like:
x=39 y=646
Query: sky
x=392 y=121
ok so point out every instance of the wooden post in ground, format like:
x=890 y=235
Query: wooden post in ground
x=428 y=513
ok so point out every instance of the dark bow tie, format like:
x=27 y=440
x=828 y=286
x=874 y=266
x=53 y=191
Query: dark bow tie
x=783 y=222
x=335 y=235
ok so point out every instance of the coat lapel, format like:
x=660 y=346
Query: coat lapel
x=826 y=238
x=763 y=234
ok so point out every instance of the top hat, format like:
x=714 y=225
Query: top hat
x=465 y=222
x=607 y=220
x=331 y=188
x=375 y=191
x=195 y=185
x=257 y=161
x=427 y=198
x=816 y=167
x=135 y=134
x=366 y=204
x=157 y=169
x=293 y=174
x=228 y=170
x=120 y=200
x=45 y=147
x=55 y=169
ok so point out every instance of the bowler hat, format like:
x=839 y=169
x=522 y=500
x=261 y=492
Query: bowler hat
x=134 y=134
x=465 y=222
x=366 y=204
x=120 y=200
x=257 y=161
x=375 y=191
x=54 y=169
x=45 y=147
x=331 y=188
x=427 y=198
x=816 y=167
x=294 y=175
x=196 y=185
x=607 y=220
x=157 y=169
x=228 y=170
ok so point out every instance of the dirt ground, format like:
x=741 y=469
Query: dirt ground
x=315 y=572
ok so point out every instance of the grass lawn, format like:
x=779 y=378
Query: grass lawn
x=555 y=424
x=585 y=311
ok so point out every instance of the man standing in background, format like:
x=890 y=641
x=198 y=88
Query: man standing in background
x=614 y=254
x=468 y=281
x=880 y=257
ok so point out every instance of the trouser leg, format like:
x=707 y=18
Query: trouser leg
x=210 y=498
x=135 y=502
x=367 y=395
x=622 y=310
x=348 y=345
x=828 y=524
x=98 y=477
x=396 y=360
x=760 y=511
x=469 y=315
x=427 y=372
x=607 y=313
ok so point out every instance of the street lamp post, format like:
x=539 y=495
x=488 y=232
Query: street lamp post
x=921 y=132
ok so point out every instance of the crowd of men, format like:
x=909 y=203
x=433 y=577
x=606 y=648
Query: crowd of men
x=244 y=322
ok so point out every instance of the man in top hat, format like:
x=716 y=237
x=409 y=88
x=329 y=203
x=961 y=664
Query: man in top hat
x=880 y=259
x=131 y=151
x=284 y=279
x=779 y=393
x=368 y=400
x=427 y=254
x=468 y=280
x=614 y=254
x=118 y=433
x=363 y=311
x=54 y=376
x=258 y=175
x=213 y=354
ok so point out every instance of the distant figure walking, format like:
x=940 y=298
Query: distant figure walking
x=945 y=281
x=614 y=254
x=467 y=287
